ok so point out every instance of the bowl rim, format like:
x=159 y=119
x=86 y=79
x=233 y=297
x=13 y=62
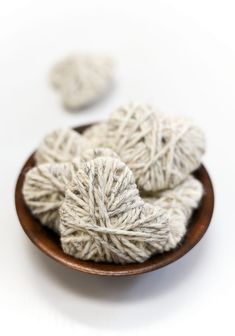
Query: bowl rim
x=48 y=242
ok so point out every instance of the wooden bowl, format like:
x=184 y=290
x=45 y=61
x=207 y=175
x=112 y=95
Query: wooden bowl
x=49 y=243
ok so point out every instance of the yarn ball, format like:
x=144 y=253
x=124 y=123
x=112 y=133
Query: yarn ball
x=61 y=145
x=44 y=190
x=178 y=203
x=103 y=218
x=94 y=153
x=82 y=79
x=96 y=134
x=160 y=150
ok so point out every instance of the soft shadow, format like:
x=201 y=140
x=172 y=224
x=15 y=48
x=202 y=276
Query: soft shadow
x=109 y=302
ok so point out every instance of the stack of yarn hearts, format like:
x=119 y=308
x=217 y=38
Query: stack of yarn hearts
x=122 y=191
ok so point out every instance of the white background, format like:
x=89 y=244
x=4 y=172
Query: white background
x=178 y=55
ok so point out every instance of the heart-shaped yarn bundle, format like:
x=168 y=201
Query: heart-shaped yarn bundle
x=82 y=79
x=103 y=217
x=121 y=192
x=44 y=190
x=161 y=151
x=61 y=145
x=45 y=185
x=178 y=204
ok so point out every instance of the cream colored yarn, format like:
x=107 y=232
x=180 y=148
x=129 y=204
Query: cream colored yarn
x=82 y=79
x=44 y=189
x=104 y=219
x=179 y=204
x=61 y=145
x=44 y=185
x=161 y=151
x=96 y=134
x=94 y=153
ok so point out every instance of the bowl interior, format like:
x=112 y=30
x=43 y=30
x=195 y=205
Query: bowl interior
x=49 y=243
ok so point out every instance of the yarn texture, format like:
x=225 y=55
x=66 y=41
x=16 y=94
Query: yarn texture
x=104 y=219
x=161 y=151
x=94 y=153
x=44 y=190
x=178 y=204
x=61 y=145
x=96 y=134
x=82 y=79
x=44 y=185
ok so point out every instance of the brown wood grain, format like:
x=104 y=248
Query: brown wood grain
x=49 y=243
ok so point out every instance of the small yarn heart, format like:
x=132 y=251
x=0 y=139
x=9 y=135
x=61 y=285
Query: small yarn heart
x=44 y=190
x=178 y=203
x=82 y=79
x=44 y=185
x=61 y=145
x=103 y=218
x=161 y=151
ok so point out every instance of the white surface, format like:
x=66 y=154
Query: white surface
x=178 y=55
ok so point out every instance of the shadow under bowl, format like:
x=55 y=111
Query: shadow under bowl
x=49 y=243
